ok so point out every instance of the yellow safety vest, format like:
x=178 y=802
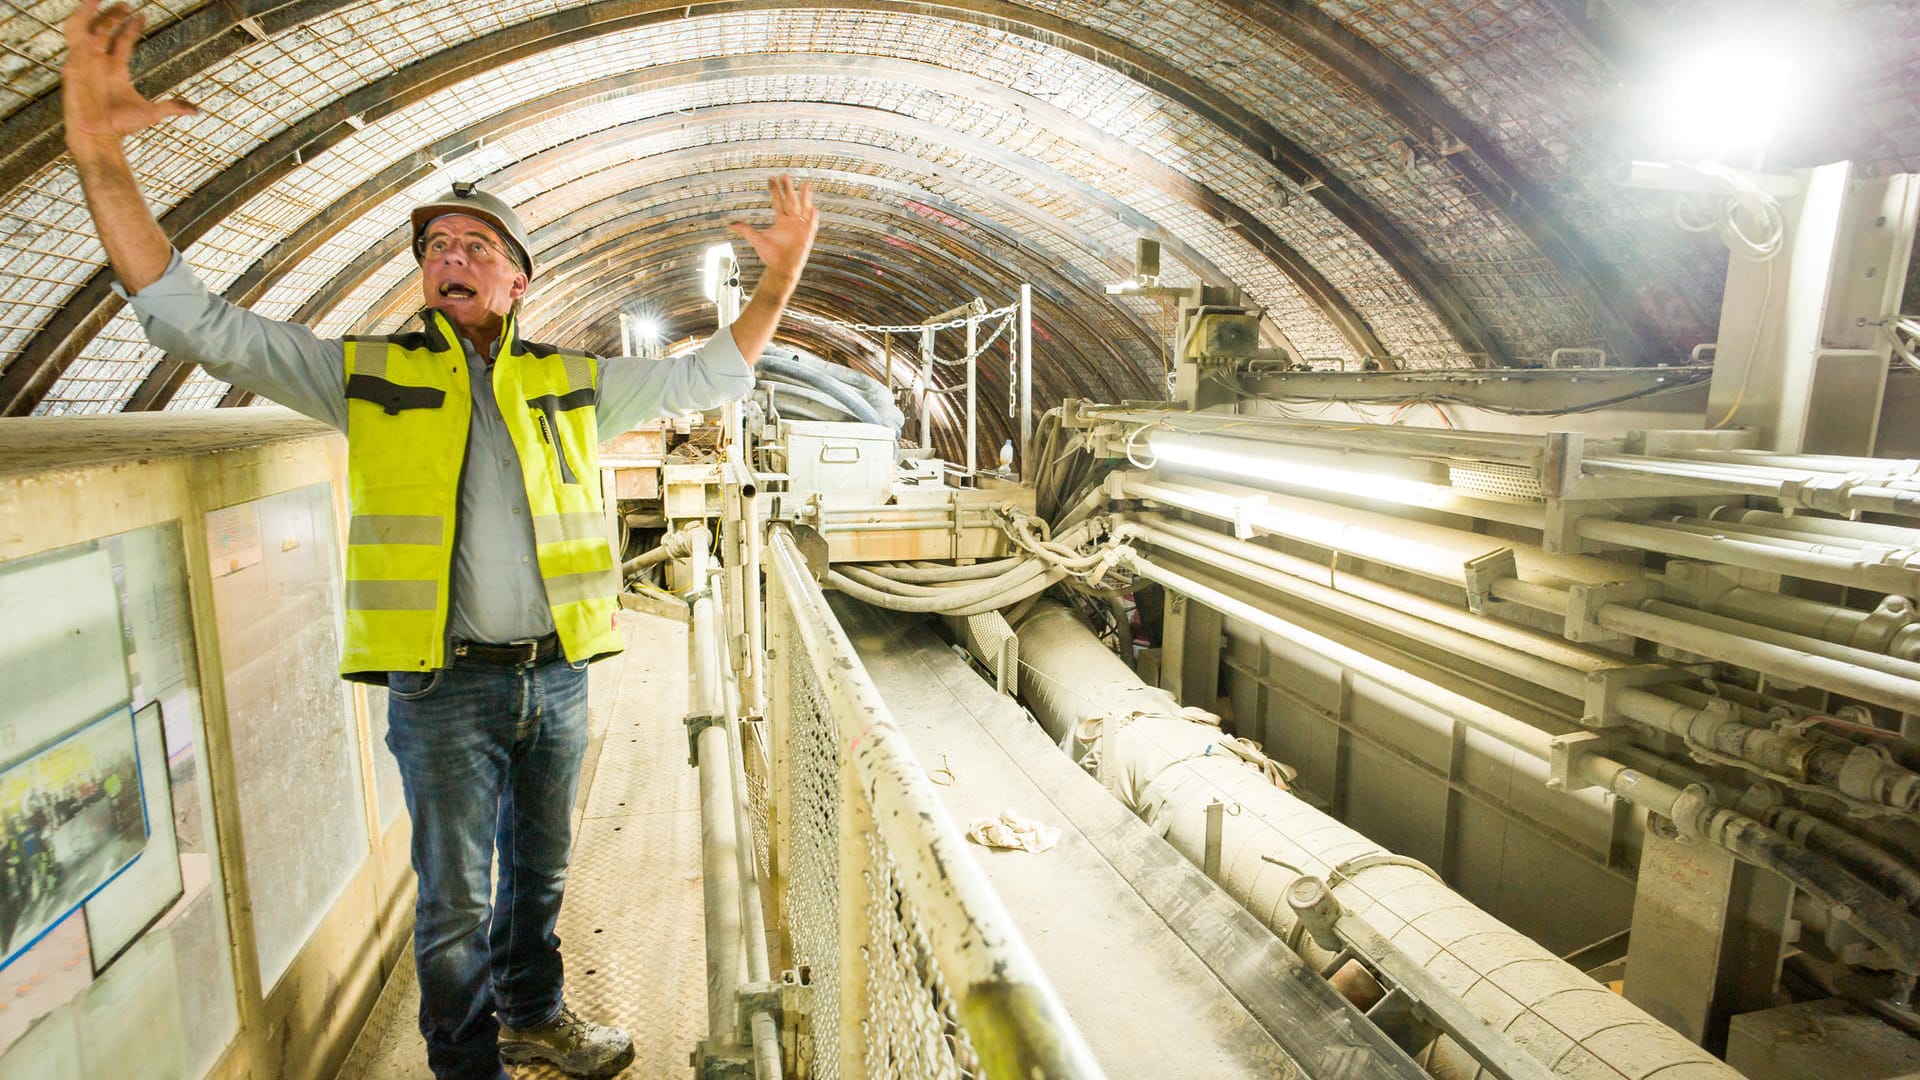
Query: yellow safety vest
x=409 y=405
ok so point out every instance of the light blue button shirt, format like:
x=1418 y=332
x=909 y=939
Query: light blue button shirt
x=498 y=594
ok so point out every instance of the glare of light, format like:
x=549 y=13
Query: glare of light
x=1725 y=100
x=717 y=269
x=1269 y=466
x=647 y=329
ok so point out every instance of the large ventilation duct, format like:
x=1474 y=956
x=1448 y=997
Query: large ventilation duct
x=1169 y=770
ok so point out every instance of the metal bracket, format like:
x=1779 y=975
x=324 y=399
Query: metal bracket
x=1564 y=754
x=697 y=723
x=723 y=1063
x=813 y=548
x=1604 y=686
x=762 y=997
x=1585 y=601
x=1482 y=572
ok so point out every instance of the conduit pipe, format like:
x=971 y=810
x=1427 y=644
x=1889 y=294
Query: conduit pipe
x=1395 y=478
x=1544 y=661
x=1886 y=631
x=1431 y=551
x=1869 y=551
x=1365 y=534
x=1746 y=648
x=1482 y=718
x=1861 y=774
x=675 y=545
x=1782 y=754
x=1828 y=492
x=1751 y=553
x=1891 y=535
x=1904 y=670
x=1159 y=765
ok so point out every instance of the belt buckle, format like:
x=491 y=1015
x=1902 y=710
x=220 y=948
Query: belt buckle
x=532 y=645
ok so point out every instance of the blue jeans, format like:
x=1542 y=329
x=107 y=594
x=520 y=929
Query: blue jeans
x=490 y=759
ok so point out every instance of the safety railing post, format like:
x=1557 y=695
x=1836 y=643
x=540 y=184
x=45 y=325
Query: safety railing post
x=1026 y=381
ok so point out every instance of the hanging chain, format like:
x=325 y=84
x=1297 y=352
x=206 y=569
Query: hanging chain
x=980 y=349
x=870 y=328
x=1013 y=378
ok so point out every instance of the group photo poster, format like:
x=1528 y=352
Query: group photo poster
x=72 y=818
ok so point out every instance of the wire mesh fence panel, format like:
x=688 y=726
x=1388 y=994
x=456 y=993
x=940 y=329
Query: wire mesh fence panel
x=875 y=895
x=813 y=885
x=912 y=1027
x=904 y=1021
x=755 y=763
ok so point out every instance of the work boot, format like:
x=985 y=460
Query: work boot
x=576 y=1047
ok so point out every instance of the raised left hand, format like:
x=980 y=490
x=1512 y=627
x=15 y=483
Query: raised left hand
x=784 y=245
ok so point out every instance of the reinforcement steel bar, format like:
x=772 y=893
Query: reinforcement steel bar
x=1084 y=293
x=1422 y=110
x=48 y=353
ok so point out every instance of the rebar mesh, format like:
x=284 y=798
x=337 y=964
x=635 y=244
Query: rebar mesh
x=908 y=1024
x=1082 y=87
x=1530 y=81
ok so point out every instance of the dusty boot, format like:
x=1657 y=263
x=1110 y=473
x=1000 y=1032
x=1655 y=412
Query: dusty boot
x=576 y=1047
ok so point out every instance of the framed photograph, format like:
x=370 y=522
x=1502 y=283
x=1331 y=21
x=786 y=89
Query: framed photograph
x=126 y=908
x=72 y=819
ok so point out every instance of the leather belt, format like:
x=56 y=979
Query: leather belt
x=510 y=653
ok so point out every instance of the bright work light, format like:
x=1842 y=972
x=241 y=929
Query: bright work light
x=1724 y=102
x=718 y=270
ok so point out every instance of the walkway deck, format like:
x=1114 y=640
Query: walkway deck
x=631 y=928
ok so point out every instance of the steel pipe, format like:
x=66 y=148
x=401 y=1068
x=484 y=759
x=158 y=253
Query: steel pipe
x=1747 y=648
x=1749 y=553
x=719 y=886
x=1891 y=535
x=1482 y=718
x=1535 y=657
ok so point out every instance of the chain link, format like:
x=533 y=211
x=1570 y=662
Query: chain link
x=912 y=1026
x=979 y=348
x=871 y=328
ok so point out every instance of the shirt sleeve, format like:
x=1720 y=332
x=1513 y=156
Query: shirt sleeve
x=281 y=361
x=633 y=389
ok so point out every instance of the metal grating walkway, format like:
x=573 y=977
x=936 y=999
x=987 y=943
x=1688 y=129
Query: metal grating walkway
x=631 y=929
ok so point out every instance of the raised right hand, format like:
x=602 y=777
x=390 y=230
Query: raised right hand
x=98 y=99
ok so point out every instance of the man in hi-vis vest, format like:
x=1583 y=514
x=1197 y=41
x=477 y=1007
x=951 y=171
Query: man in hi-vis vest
x=480 y=581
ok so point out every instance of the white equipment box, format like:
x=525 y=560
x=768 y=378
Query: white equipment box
x=839 y=459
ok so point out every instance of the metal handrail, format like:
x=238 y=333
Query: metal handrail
x=735 y=926
x=1012 y=1015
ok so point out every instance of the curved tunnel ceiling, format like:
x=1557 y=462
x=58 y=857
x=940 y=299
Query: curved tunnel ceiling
x=1424 y=184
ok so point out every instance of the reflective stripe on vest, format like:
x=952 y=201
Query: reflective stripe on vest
x=409 y=405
